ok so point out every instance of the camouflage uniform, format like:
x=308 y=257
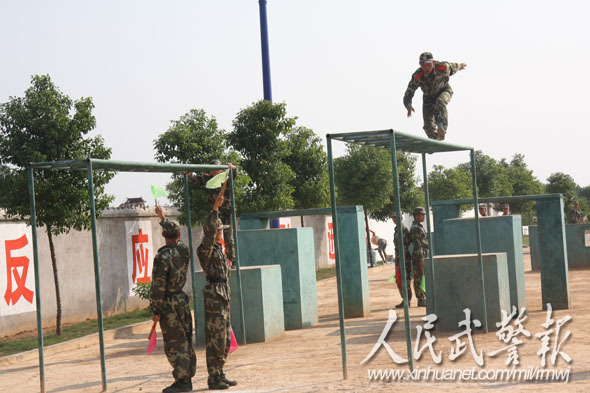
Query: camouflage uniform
x=224 y=209
x=576 y=216
x=216 y=295
x=420 y=252
x=407 y=258
x=437 y=95
x=172 y=305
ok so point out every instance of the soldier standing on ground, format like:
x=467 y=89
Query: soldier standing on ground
x=407 y=258
x=576 y=216
x=170 y=305
x=420 y=245
x=505 y=209
x=216 y=296
x=433 y=78
x=224 y=209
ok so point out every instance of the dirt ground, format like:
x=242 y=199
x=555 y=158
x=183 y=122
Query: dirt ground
x=309 y=360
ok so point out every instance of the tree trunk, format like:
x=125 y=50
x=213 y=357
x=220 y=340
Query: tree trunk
x=371 y=261
x=56 y=281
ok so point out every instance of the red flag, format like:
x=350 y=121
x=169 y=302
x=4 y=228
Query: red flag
x=398 y=276
x=233 y=343
x=152 y=339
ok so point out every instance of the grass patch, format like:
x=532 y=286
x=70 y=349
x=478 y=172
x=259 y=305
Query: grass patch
x=26 y=341
x=322 y=274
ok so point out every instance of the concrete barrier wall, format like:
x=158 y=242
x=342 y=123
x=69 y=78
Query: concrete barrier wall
x=76 y=270
x=578 y=254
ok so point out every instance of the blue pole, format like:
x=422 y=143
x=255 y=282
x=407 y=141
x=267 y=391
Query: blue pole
x=265 y=51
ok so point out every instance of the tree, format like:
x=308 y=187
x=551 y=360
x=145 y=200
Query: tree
x=452 y=183
x=364 y=177
x=282 y=160
x=560 y=182
x=492 y=177
x=523 y=182
x=47 y=125
x=307 y=159
x=195 y=139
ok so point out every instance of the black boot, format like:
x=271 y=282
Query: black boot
x=228 y=382
x=182 y=385
x=401 y=305
x=218 y=384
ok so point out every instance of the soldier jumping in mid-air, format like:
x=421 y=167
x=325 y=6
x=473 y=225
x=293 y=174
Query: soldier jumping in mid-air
x=433 y=78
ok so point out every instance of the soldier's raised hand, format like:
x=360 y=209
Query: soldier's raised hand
x=462 y=66
x=218 y=199
x=410 y=110
x=159 y=212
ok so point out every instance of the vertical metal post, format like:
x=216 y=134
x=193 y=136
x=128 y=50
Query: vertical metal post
x=97 y=276
x=265 y=51
x=337 y=254
x=478 y=242
x=430 y=243
x=189 y=227
x=236 y=256
x=402 y=258
x=37 y=279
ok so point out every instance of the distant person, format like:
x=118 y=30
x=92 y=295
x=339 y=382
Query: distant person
x=407 y=258
x=482 y=210
x=505 y=209
x=420 y=251
x=433 y=78
x=170 y=305
x=381 y=244
x=576 y=216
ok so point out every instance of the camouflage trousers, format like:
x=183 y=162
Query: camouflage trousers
x=217 y=334
x=177 y=329
x=434 y=112
x=413 y=270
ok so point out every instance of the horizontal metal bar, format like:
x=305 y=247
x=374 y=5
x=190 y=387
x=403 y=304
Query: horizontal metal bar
x=124 y=166
x=515 y=198
x=299 y=212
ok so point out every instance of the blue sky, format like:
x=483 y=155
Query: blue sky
x=339 y=65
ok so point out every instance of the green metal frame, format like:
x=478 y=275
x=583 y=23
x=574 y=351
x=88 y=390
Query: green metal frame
x=398 y=141
x=90 y=165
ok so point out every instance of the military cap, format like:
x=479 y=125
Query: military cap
x=505 y=206
x=219 y=226
x=482 y=206
x=418 y=210
x=216 y=162
x=170 y=228
x=425 y=57
x=394 y=214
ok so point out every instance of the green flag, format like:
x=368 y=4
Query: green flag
x=217 y=180
x=158 y=191
x=392 y=278
x=423 y=284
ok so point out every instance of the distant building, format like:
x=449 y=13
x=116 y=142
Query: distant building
x=133 y=203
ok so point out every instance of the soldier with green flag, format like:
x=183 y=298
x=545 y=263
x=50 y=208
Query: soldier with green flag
x=206 y=180
x=433 y=78
x=420 y=251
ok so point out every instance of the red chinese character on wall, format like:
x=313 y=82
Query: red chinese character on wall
x=331 y=252
x=12 y=265
x=140 y=257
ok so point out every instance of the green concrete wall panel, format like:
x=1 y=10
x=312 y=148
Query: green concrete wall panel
x=578 y=255
x=458 y=286
x=263 y=304
x=353 y=263
x=440 y=213
x=553 y=254
x=293 y=250
x=498 y=234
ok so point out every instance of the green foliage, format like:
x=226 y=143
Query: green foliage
x=143 y=290
x=563 y=183
x=523 y=182
x=452 y=183
x=307 y=159
x=364 y=177
x=46 y=125
x=285 y=163
x=195 y=139
x=493 y=179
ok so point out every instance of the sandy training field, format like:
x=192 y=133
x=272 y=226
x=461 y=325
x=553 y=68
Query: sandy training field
x=309 y=360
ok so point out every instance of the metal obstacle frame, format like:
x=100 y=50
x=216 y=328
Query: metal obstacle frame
x=399 y=141
x=90 y=165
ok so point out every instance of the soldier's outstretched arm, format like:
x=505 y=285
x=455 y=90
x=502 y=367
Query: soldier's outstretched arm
x=409 y=94
x=456 y=67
